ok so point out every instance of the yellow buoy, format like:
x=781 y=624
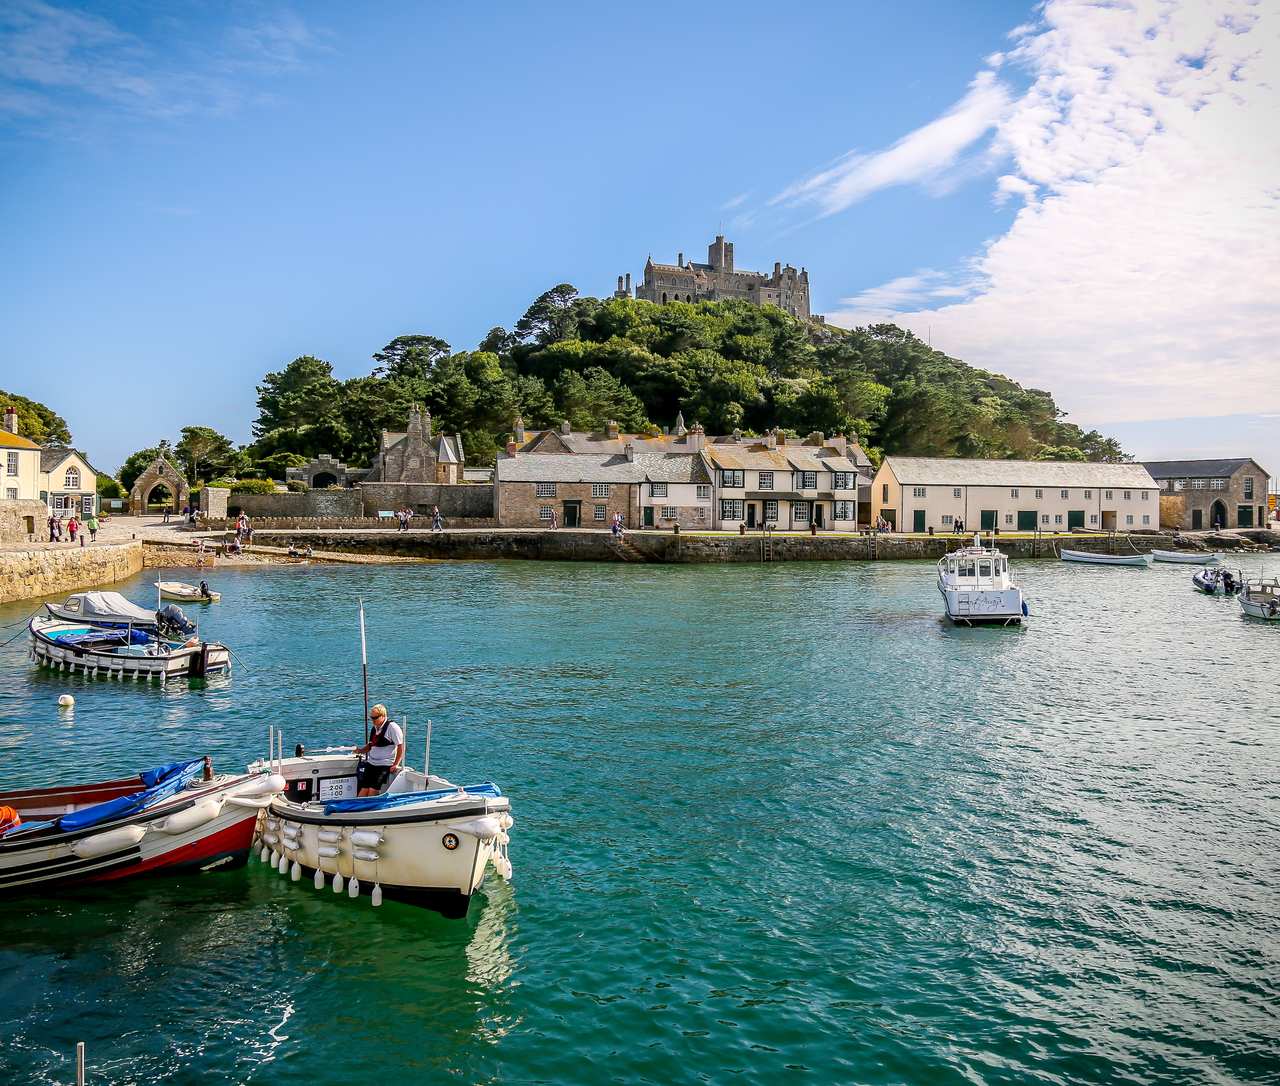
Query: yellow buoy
x=66 y=701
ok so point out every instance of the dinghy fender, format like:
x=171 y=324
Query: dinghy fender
x=195 y=815
x=486 y=827
x=112 y=841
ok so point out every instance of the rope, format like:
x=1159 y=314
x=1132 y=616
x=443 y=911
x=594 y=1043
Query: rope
x=237 y=659
x=20 y=632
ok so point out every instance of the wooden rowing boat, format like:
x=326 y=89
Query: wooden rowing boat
x=1143 y=560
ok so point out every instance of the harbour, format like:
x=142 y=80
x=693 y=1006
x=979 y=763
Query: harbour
x=773 y=820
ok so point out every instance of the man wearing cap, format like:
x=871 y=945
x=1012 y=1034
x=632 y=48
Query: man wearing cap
x=382 y=753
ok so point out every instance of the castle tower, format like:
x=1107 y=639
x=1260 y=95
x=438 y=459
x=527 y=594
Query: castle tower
x=720 y=255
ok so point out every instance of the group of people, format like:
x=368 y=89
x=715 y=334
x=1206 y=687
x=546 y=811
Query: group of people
x=883 y=525
x=615 y=526
x=73 y=528
x=405 y=516
x=957 y=527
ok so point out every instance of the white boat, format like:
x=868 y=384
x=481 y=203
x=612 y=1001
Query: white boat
x=121 y=653
x=188 y=593
x=1188 y=558
x=111 y=611
x=179 y=817
x=1217 y=582
x=976 y=587
x=424 y=840
x=1260 y=598
x=1106 y=559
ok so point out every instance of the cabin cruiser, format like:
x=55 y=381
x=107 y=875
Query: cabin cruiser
x=111 y=611
x=1260 y=598
x=122 y=653
x=976 y=586
x=424 y=840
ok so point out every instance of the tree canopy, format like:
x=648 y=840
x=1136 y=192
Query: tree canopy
x=41 y=424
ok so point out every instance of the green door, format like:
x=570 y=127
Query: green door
x=988 y=520
x=1244 y=516
x=1075 y=518
x=1026 y=520
x=648 y=516
x=917 y=520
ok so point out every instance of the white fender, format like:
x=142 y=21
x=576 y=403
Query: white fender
x=366 y=837
x=271 y=838
x=110 y=841
x=327 y=850
x=365 y=854
x=195 y=815
x=266 y=785
x=486 y=827
x=318 y=881
x=376 y=896
x=353 y=888
x=330 y=835
x=273 y=823
x=295 y=871
x=337 y=884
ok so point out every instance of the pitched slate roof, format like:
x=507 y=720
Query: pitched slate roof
x=16 y=441
x=567 y=468
x=1205 y=469
x=954 y=471
x=673 y=468
x=53 y=455
x=783 y=458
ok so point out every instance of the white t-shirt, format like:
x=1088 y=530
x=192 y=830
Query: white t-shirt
x=387 y=755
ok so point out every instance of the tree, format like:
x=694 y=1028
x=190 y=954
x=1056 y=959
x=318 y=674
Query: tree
x=410 y=356
x=205 y=453
x=138 y=462
x=550 y=318
x=110 y=488
x=302 y=395
x=37 y=422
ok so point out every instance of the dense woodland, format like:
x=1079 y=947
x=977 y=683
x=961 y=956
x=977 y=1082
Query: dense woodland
x=728 y=365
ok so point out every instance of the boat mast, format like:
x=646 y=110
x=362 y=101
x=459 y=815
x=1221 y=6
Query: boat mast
x=364 y=669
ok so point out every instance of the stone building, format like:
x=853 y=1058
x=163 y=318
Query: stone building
x=571 y=490
x=718 y=280
x=417 y=455
x=1206 y=494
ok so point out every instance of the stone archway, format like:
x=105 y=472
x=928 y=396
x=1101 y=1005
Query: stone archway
x=1218 y=515
x=323 y=479
x=160 y=472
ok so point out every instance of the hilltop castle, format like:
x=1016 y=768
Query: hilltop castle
x=716 y=280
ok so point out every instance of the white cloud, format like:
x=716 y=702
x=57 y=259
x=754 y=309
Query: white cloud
x=923 y=155
x=1140 y=278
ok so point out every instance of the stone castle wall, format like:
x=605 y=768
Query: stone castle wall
x=27 y=574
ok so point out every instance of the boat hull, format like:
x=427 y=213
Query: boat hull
x=205 y=658
x=1136 y=560
x=1186 y=558
x=966 y=607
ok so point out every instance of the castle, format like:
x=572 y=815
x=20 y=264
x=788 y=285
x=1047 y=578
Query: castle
x=716 y=280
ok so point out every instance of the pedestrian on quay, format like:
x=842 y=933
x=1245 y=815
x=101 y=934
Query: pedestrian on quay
x=92 y=525
x=73 y=526
x=437 y=521
x=554 y=522
x=52 y=537
x=57 y=527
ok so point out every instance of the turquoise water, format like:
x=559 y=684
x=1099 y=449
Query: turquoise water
x=770 y=821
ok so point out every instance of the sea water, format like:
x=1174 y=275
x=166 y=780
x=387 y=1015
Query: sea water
x=773 y=822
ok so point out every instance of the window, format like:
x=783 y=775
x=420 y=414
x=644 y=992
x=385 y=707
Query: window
x=1146 y=495
x=1014 y=492
x=13 y=462
x=884 y=492
x=946 y=520
x=731 y=508
x=1093 y=518
x=1088 y=494
x=658 y=490
x=955 y=492
x=72 y=481
x=702 y=514
x=1128 y=495
x=1039 y=493
x=808 y=480
x=1008 y=518
x=1064 y=494
x=1107 y=495
x=12 y=493
x=668 y=512
x=1044 y=518
x=1057 y=518
x=1146 y=518
x=843 y=480
x=544 y=514
x=600 y=511
x=1248 y=486
x=1199 y=484
x=845 y=511
x=599 y=490
x=800 y=512
x=731 y=477
x=544 y=490
x=1179 y=484
x=1129 y=519
x=1214 y=484
x=766 y=480
x=918 y=492
x=86 y=503
x=704 y=492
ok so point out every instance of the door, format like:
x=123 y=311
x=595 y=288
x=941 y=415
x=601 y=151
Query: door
x=572 y=514
x=817 y=514
x=1217 y=515
x=1197 y=519
x=1026 y=520
x=648 y=516
x=1244 y=516
x=751 y=514
x=917 y=520
x=1075 y=518
x=1108 y=520
x=987 y=518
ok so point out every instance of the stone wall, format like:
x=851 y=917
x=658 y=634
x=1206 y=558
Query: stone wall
x=308 y=503
x=338 y=523
x=456 y=500
x=212 y=502
x=22 y=522
x=520 y=504
x=27 y=574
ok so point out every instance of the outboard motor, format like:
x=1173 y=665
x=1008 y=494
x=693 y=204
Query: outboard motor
x=173 y=623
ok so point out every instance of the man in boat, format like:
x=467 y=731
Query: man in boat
x=383 y=753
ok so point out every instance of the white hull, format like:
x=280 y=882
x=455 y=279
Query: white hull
x=1187 y=558
x=970 y=606
x=185 y=593
x=1143 y=560
x=134 y=663
x=1268 y=612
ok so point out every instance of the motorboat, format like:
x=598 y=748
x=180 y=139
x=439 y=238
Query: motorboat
x=1217 y=582
x=187 y=593
x=1143 y=560
x=112 y=611
x=1188 y=558
x=178 y=817
x=976 y=587
x=1260 y=598
x=424 y=840
x=122 y=653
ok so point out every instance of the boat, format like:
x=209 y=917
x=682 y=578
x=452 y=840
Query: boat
x=1188 y=558
x=976 y=587
x=122 y=653
x=425 y=840
x=1217 y=582
x=1260 y=598
x=187 y=593
x=1106 y=559
x=178 y=817
x=111 y=611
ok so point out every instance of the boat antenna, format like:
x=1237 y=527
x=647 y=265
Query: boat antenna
x=364 y=668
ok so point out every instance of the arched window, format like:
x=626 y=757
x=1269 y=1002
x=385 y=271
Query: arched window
x=664 y=297
x=73 y=479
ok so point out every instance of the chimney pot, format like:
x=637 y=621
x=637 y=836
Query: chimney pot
x=11 y=419
x=630 y=451
x=511 y=448
x=565 y=428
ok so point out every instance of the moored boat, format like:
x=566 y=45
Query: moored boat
x=178 y=817
x=122 y=653
x=111 y=611
x=1217 y=582
x=424 y=840
x=976 y=587
x=1260 y=598
x=1187 y=558
x=1143 y=560
x=187 y=593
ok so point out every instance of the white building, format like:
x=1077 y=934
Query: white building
x=915 y=494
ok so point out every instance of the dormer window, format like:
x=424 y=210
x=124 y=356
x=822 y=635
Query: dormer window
x=72 y=481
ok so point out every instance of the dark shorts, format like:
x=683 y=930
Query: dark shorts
x=372 y=776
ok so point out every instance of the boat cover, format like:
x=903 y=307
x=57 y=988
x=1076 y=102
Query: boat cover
x=96 y=637
x=403 y=799
x=160 y=783
x=111 y=607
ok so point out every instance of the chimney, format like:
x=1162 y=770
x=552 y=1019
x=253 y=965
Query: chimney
x=619 y=284
x=11 y=419
x=771 y=439
x=838 y=443
x=816 y=438
x=518 y=427
x=628 y=284
x=680 y=427
x=737 y=437
x=630 y=451
x=696 y=438
x=782 y=438
x=511 y=448
x=565 y=428
x=679 y=260
x=611 y=429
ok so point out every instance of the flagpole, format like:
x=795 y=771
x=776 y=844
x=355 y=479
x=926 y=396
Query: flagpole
x=364 y=668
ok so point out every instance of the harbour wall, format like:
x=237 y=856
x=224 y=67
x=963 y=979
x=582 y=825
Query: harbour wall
x=457 y=501
x=666 y=547
x=26 y=574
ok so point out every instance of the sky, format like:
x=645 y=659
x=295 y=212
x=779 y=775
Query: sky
x=1083 y=196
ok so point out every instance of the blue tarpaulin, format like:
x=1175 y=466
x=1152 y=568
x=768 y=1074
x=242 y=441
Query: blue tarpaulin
x=161 y=783
x=380 y=803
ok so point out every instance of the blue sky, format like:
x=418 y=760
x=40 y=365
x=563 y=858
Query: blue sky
x=191 y=196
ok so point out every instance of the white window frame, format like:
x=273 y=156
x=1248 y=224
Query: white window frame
x=1064 y=494
x=946 y=520
x=545 y=513
x=1146 y=518
x=1014 y=492
x=11 y=493
x=918 y=492
x=599 y=490
x=800 y=512
x=669 y=512
x=765 y=481
x=1128 y=518
x=1146 y=495
x=1093 y=518
x=1217 y=484
x=1199 y=484
x=704 y=492
x=657 y=490
x=600 y=512
x=1057 y=518
x=12 y=465
x=771 y=510
x=1128 y=495
x=1039 y=493
x=731 y=508
x=808 y=480
x=71 y=481
x=1044 y=518
x=1008 y=518
x=544 y=490
x=1248 y=487
x=844 y=510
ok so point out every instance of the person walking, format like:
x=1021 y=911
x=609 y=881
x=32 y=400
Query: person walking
x=52 y=537
x=92 y=525
x=437 y=521
x=555 y=523
x=73 y=526
x=57 y=527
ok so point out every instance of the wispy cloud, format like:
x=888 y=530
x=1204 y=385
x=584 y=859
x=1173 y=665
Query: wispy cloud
x=735 y=201
x=924 y=155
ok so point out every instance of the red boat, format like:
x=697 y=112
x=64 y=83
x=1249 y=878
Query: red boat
x=179 y=817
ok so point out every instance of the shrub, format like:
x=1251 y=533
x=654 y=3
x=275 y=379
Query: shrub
x=253 y=486
x=296 y=486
